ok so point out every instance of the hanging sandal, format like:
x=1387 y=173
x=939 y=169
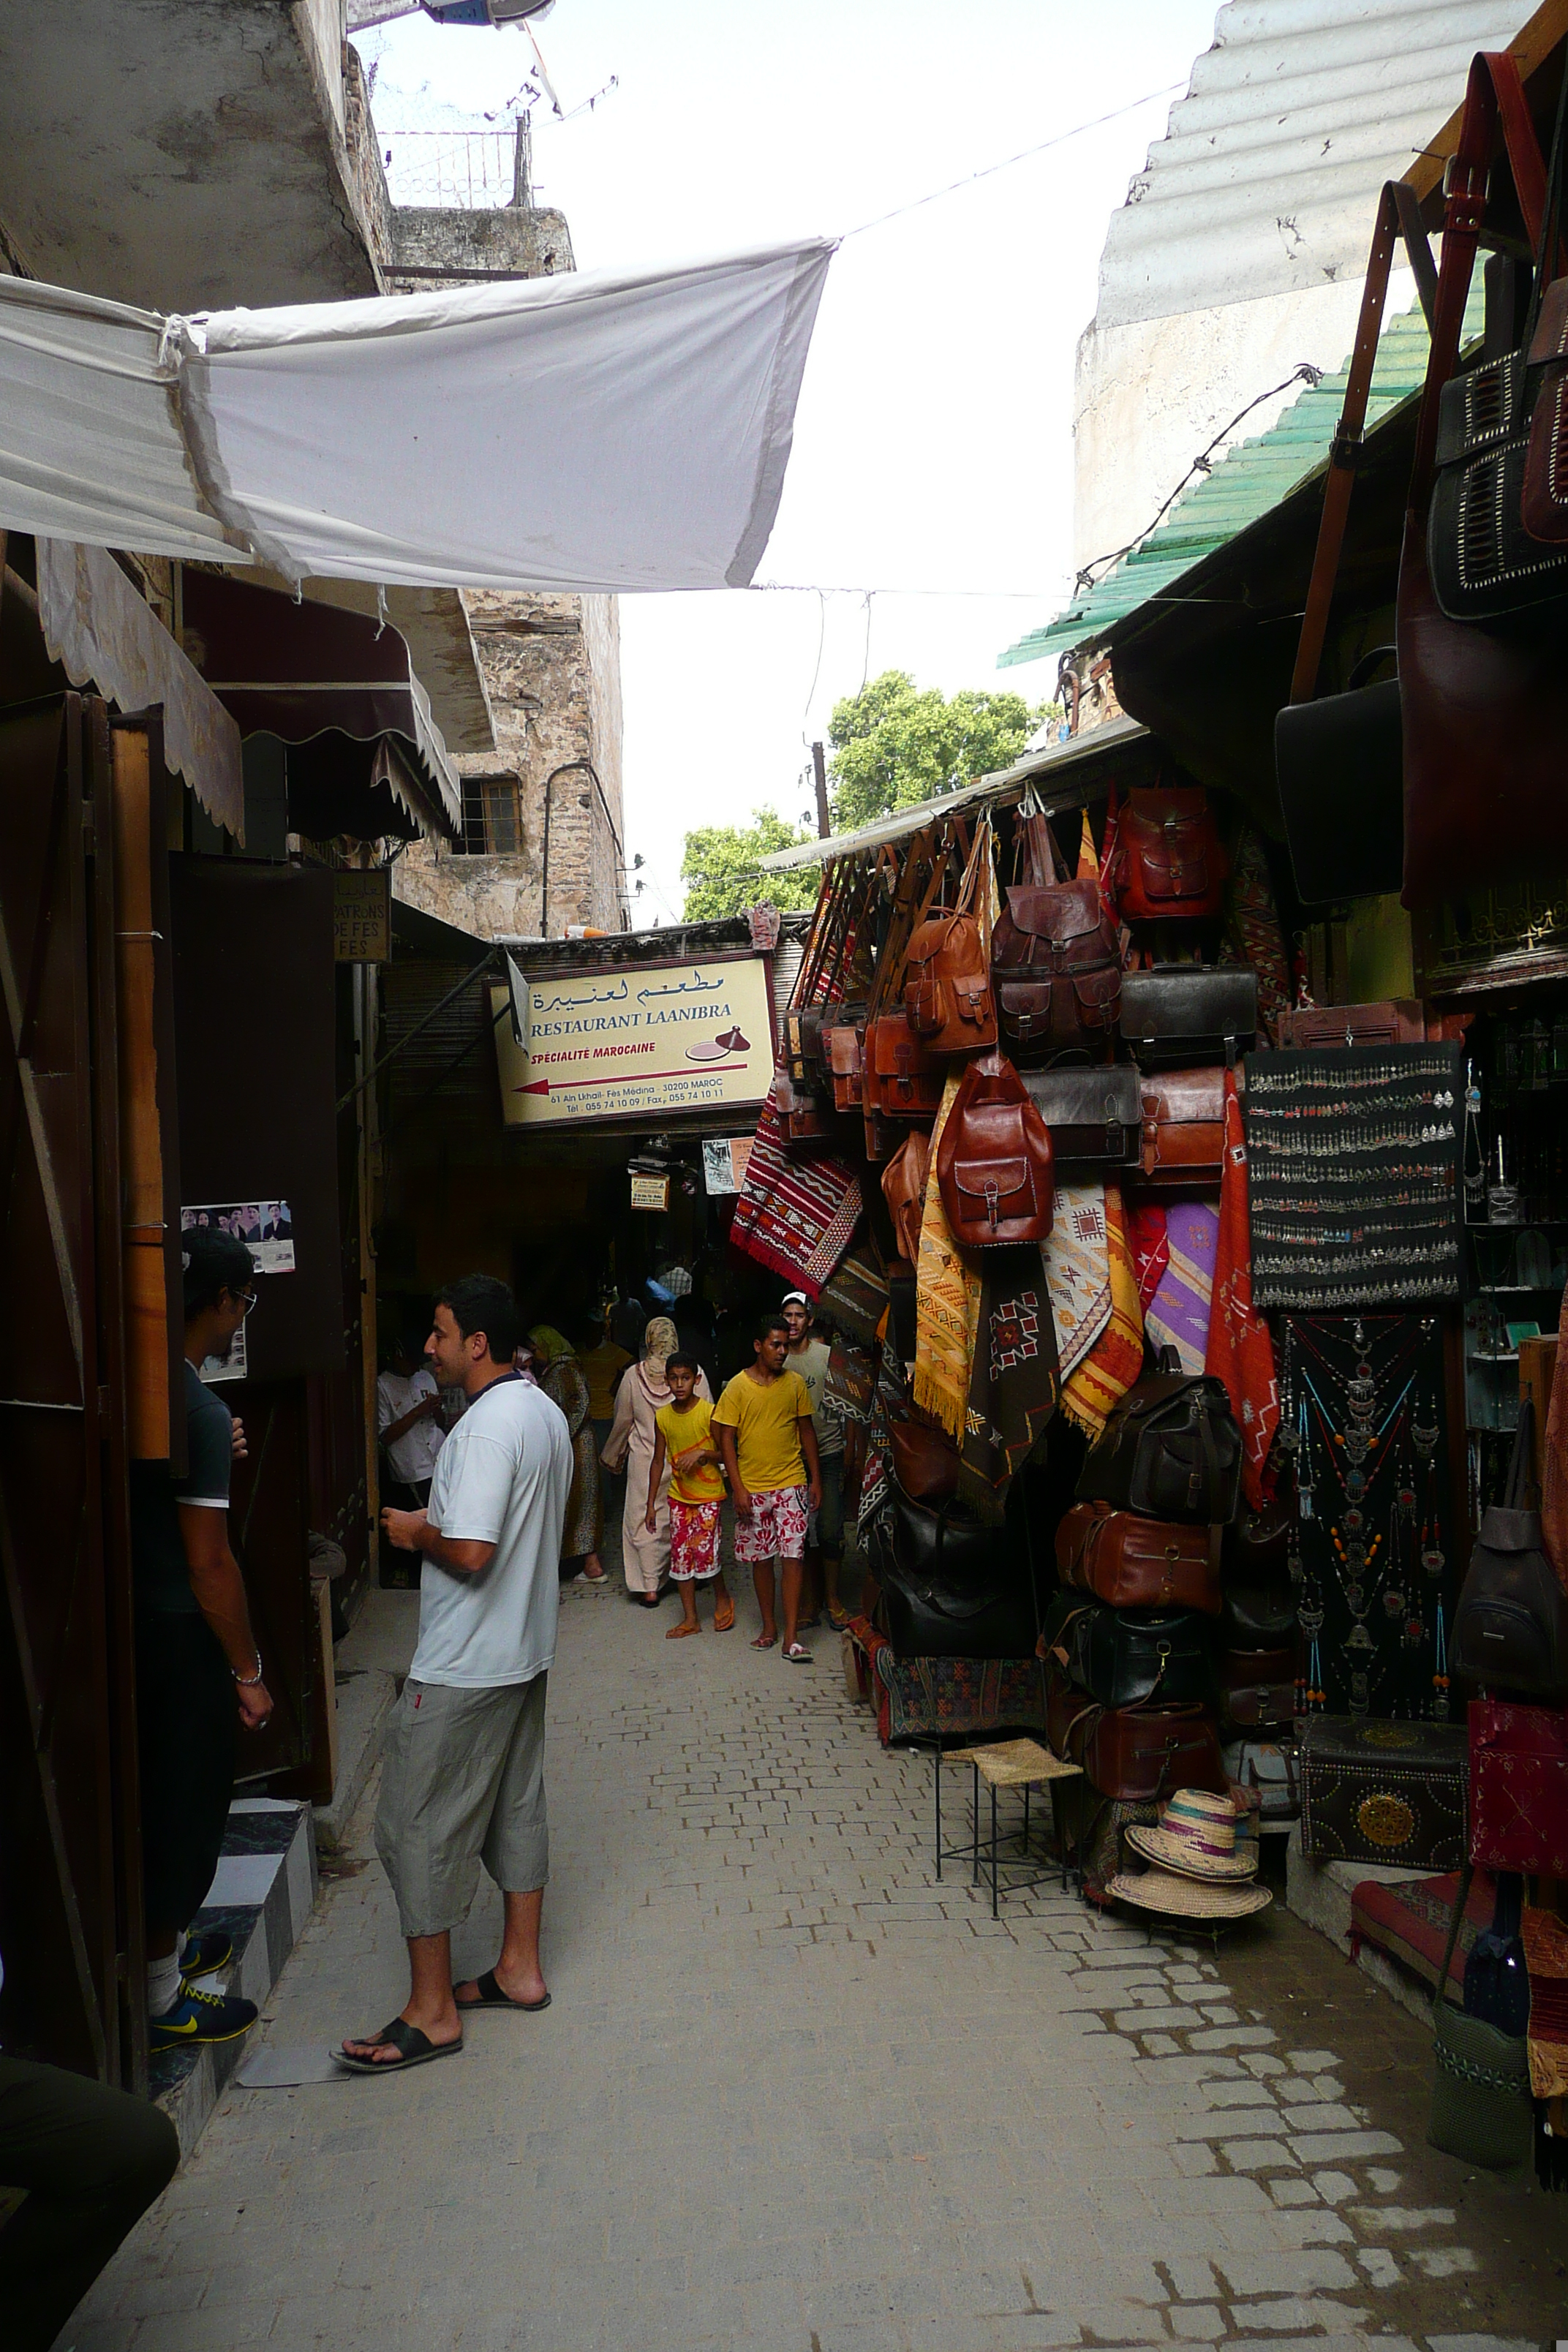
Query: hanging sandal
x=414 y=2047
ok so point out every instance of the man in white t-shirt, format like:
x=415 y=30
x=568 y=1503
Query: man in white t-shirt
x=462 y=1775
x=408 y=1423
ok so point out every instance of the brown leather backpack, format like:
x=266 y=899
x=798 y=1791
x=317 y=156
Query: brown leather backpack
x=994 y=1161
x=1169 y=856
x=1132 y=1562
x=947 y=968
x=1055 y=960
x=904 y=1191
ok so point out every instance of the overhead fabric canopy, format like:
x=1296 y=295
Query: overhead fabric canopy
x=594 y=432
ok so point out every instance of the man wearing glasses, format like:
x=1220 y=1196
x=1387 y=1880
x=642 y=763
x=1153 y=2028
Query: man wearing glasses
x=197 y=1665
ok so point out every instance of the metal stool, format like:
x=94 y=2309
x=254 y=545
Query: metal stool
x=1008 y=1764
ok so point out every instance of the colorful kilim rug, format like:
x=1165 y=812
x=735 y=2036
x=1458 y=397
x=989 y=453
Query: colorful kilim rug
x=921 y=1698
x=797 y=1216
x=1013 y=1382
x=1546 y=1959
x=1411 y=1922
x=1149 y=1242
x=1115 y=1360
x=857 y=1297
x=947 y=1304
x=1178 y=1314
x=1077 y=1260
x=1240 y=1345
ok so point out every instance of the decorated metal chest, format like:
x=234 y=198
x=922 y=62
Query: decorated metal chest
x=1384 y=1792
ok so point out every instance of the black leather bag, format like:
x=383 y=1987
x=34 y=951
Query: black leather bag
x=1257 y=1612
x=1510 y=1628
x=1340 y=764
x=1095 y=1116
x=1179 y=1015
x=1130 y=1657
x=951 y=1588
x=1171 y=1449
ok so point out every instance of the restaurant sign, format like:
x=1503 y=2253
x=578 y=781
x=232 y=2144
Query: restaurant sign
x=634 y=1041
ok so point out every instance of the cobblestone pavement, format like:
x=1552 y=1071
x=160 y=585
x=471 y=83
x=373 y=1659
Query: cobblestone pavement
x=795 y=2097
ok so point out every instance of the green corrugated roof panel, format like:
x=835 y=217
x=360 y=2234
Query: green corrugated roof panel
x=1252 y=477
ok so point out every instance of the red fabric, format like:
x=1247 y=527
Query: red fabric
x=1554 y=1482
x=1240 y=1348
x=1412 y=1921
x=1519 y=1788
x=797 y=1216
x=1150 y=1247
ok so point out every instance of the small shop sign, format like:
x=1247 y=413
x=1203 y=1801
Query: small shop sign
x=724 y=1159
x=650 y=1192
x=361 y=915
x=634 y=1041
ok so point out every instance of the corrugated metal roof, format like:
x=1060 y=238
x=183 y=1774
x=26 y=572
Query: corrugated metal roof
x=1252 y=477
x=1265 y=179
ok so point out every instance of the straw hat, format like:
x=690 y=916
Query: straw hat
x=1177 y=1898
x=1196 y=1838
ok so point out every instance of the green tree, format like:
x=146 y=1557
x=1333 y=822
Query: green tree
x=720 y=869
x=894 y=745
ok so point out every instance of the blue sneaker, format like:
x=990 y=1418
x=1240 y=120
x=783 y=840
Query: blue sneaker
x=205 y=1955
x=199 y=2017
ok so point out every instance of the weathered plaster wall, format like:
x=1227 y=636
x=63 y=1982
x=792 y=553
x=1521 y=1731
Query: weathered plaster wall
x=534 y=241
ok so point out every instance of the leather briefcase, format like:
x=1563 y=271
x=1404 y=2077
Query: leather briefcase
x=1384 y=1792
x=994 y=1159
x=1135 y=1563
x=1134 y=1755
x=1338 y=764
x=1169 y=857
x=1519 y=1788
x=1055 y=959
x=1169 y=1449
x=1182 y=1138
x=1130 y=1657
x=1398 y=1021
x=1095 y=1116
x=1180 y=1016
x=904 y=1191
x=843 y=1047
x=925 y=1462
x=1258 y=1689
x=900 y=1076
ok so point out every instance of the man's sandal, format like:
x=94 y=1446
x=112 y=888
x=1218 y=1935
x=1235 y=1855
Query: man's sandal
x=797 y=1655
x=491 y=1996
x=414 y=2047
x=724 y=1615
x=765 y=1640
x=678 y=1632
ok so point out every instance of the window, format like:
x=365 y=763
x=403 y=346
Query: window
x=492 y=823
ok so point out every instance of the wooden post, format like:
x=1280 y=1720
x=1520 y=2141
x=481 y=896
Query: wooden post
x=819 y=777
x=367 y=1154
x=140 y=1138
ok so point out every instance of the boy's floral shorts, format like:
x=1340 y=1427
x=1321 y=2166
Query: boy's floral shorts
x=776 y=1528
x=693 y=1542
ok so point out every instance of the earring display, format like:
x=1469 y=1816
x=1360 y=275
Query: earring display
x=1362 y=1425
x=1353 y=1175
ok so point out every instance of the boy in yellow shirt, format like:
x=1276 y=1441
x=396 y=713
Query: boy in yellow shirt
x=768 y=1442
x=683 y=1430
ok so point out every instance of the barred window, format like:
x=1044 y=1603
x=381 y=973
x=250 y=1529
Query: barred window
x=493 y=821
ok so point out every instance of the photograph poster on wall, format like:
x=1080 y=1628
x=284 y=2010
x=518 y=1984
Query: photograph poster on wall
x=265 y=1227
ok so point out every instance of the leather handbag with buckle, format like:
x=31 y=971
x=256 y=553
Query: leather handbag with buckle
x=1179 y=1015
x=947 y=968
x=925 y=1462
x=843 y=1048
x=1182 y=1138
x=1130 y=1657
x=1511 y=1625
x=802 y=1046
x=1170 y=1449
x=904 y=1191
x=1095 y=1116
x=1134 y=1755
x=1056 y=959
x=950 y=1589
x=1134 y=1563
x=1258 y=1688
x=807 y=1124
x=994 y=1159
x=1169 y=857
x=899 y=1078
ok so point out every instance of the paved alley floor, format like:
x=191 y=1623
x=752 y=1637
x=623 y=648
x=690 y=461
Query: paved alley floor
x=792 y=2096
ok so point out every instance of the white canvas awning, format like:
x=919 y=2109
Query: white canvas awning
x=591 y=431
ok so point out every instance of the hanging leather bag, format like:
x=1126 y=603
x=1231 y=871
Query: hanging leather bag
x=808 y=1125
x=1133 y=1755
x=993 y=1161
x=947 y=971
x=1134 y=1563
x=1178 y=1017
x=951 y=1588
x=1258 y=1688
x=1510 y=1627
x=1398 y=1020
x=1056 y=959
x=904 y=1191
x=899 y=1077
x=1169 y=858
x=1095 y=1116
x=1130 y=1657
x=1258 y=1612
x=1543 y=503
x=1181 y=1140
x=925 y=1462
x=1170 y=1449
x=843 y=1042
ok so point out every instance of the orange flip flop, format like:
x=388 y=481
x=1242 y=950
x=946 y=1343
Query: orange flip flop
x=678 y=1632
x=724 y=1614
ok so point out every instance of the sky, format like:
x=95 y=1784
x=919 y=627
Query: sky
x=930 y=488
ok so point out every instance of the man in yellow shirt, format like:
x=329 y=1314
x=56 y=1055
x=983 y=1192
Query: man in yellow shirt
x=769 y=1447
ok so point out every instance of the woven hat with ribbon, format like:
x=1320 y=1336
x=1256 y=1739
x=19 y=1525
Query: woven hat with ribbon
x=1196 y=1835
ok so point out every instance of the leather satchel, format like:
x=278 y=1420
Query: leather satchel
x=1056 y=959
x=1258 y=1612
x=1134 y=1563
x=1398 y=1021
x=1182 y=1138
x=993 y=1161
x=843 y=1044
x=950 y=1589
x=1135 y=1755
x=925 y=1462
x=1095 y=1116
x=804 y=1057
x=1510 y=1627
x=904 y=1191
x=1169 y=857
x=1258 y=1688
x=900 y=1076
x=1130 y=1657
x=807 y=1124
x=1519 y=1788
x=1257 y=1544
x=1179 y=1015
x=947 y=969
x=1170 y=1450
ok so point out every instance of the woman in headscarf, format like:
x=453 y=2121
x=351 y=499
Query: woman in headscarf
x=556 y=1370
x=644 y=1550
